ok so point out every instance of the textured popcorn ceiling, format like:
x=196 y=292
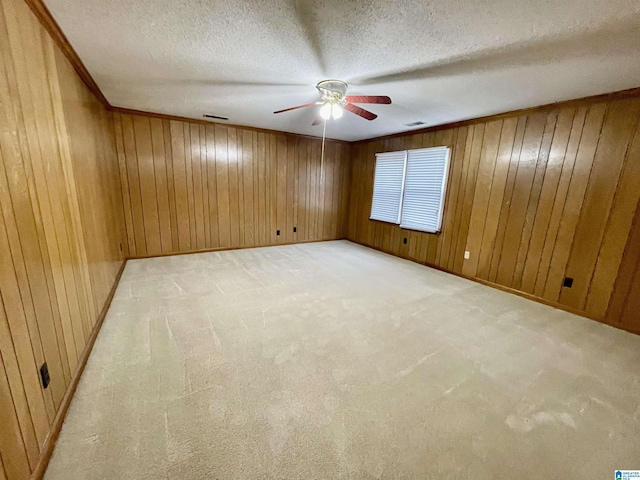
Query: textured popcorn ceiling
x=440 y=61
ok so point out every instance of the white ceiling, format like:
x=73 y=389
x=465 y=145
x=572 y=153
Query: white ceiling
x=439 y=60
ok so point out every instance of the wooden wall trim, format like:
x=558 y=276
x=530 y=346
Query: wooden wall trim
x=502 y=288
x=225 y=249
x=163 y=116
x=52 y=437
x=45 y=18
x=577 y=102
x=49 y=23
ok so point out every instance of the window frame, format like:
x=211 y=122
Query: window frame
x=443 y=190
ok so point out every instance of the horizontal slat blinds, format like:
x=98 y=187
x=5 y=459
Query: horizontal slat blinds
x=425 y=184
x=387 y=186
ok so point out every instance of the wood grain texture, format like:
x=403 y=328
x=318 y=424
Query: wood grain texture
x=623 y=308
x=47 y=448
x=45 y=18
x=188 y=186
x=61 y=226
x=534 y=199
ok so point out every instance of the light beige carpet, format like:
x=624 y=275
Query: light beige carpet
x=334 y=361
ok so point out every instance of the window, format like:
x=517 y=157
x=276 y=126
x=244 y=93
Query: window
x=388 y=185
x=409 y=187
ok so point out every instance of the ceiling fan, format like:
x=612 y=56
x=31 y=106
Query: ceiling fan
x=334 y=99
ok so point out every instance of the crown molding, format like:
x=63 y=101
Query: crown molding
x=43 y=14
x=163 y=116
x=577 y=102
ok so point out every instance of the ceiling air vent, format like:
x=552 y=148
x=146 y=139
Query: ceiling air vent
x=215 y=117
x=414 y=124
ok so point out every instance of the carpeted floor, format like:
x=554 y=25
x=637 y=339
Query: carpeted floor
x=334 y=361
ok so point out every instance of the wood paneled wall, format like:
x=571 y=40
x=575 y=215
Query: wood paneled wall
x=193 y=186
x=534 y=199
x=61 y=224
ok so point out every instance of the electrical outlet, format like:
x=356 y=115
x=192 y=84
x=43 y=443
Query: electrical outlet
x=467 y=255
x=568 y=282
x=295 y=229
x=44 y=375
x=277 y=232
x=405 y=241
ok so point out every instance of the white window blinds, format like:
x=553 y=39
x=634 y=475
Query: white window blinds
x=409 y=188
x=387 y=186
x=425 y=185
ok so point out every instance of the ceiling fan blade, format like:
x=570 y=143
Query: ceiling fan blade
x=318 y=120
x=295 y=108
x=369 y=99
x=361 y=112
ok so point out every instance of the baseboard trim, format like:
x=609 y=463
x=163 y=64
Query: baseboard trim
x=52 y=437
x=497 y=286
x=224 y=249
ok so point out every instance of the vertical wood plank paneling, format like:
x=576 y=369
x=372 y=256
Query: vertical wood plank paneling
x=62 y=228
x=146 y=174
x=626 y=278
x=235 y=219
x=623 y=308
x=288 y=193
x=193 y=158
x=159 y=162
x=248 y=187
x=133 y=181
x=614 y=141
x=263 y=208
x=3 y=472
x=215 y=186
x=281 y=188
x=496 y=195
x=124 y=179
x=222 y=183
x=451 y=204
x=547 y=197
x=212 y=211
x=188 y=176
x=503 y=214
x=483 y=189
x=205 y=185
x=272 y=188
x=552 y=228
x=517 y=211
x=303 y=207
x=574 y=200
x=618 y=229
x=295 y=188
x=15 y=463
x=173 y=214
x=472 y=159
x=533 y=199
x=27 y=434
x=179 y=186
x=629 y=319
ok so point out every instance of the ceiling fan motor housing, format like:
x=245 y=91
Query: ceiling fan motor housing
x=333 y=91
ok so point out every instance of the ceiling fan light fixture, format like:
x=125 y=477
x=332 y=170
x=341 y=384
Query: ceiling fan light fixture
x=334 y=101
x=325 y=111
